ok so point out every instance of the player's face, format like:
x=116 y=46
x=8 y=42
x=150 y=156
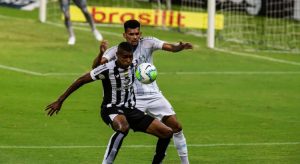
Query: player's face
x=132 y=35
x=124 y=58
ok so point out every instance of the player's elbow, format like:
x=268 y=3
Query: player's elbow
x=97 y=62
x=103 y=60
x=94 y=65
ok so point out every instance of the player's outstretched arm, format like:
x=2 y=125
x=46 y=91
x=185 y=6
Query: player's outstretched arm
x=177 y=47
x=99 y=59
x=56 y=105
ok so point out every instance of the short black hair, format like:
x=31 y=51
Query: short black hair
x=131 y=24
x=125 y=46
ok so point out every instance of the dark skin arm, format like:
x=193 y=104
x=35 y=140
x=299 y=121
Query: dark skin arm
x=177 y=47
x=56 y=105
x=99 y=59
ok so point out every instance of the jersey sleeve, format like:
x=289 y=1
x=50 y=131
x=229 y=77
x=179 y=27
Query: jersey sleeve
x=110 y=54
x=157 y=44
x=99 y=72
x=152 y=43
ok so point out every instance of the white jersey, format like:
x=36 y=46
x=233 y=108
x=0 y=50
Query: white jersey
x=142 y=54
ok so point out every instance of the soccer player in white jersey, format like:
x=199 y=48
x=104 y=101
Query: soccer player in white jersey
x=148 y=96
x=65 y=7
x=118 y=105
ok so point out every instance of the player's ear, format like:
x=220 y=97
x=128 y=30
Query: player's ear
x=124 y=35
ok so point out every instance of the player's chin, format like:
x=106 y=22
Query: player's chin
x=125 y=65
x=134 y=43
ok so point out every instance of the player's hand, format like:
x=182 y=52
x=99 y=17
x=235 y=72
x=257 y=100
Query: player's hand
x=186 y=45
x=103 y=46
x=53 y=108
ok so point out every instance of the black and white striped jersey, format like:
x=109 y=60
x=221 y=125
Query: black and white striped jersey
x=117 y=84
x=142 y=54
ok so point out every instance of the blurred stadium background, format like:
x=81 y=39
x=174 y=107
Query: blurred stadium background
x=238 y=102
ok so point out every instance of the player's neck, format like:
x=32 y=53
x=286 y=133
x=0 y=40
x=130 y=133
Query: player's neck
x=134 y=47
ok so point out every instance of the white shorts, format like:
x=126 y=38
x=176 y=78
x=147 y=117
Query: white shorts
x=155 y=105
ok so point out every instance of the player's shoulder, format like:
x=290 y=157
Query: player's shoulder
x=112 y=49
x=106 y=66
x=99 y=70
x=110 y=64
x=150 y=42
x=149 y=38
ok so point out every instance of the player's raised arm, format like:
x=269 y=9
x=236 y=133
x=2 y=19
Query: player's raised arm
x=176 y=47
x=99 y=59
x=56 y=105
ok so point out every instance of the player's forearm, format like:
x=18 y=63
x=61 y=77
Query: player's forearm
x=75 y=85
x=69 y=91
x=97 y=60
x=173 y=47
x=177 y=47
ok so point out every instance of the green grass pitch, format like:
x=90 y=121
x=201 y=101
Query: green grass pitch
x=234 y=108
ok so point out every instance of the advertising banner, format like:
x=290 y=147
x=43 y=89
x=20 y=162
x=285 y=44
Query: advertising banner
x=151 y=17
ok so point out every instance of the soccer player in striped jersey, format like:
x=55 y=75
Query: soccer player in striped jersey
x=118 y=105
x=148 y=96
x=82 y=4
